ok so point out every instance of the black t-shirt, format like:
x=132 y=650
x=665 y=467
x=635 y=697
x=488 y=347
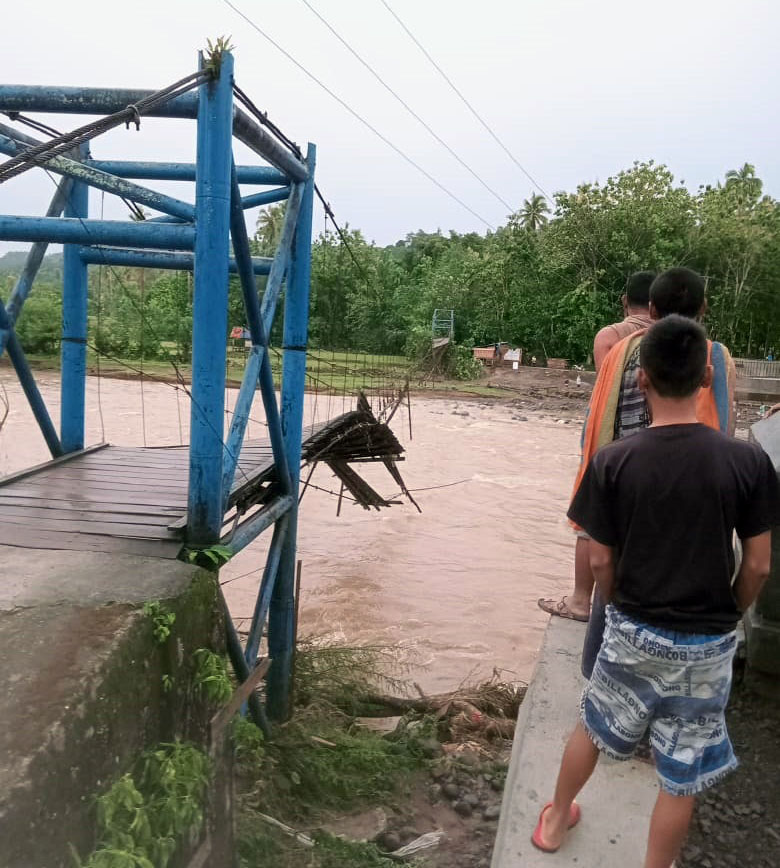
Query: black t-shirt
x=668 y=499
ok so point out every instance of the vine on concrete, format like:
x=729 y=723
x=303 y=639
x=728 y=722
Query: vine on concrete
x=144 y=814
x=211 y=677
x=162 y=620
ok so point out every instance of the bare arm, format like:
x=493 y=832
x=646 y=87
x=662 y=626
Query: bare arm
x=754 y=570
x=602 y=344
x=602 y=563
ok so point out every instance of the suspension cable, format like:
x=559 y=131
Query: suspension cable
x=37 y=155
x=358 y=116
x=408 y=108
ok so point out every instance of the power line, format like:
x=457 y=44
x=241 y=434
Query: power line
x=263 y=118
x=358 y=117
x=406 y=105
x=465 y=101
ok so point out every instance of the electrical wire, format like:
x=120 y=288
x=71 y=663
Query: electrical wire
x=408 y=108
x=357 y=116
x=465 y=101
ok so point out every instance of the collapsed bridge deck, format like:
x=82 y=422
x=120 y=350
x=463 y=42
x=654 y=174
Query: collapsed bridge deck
x=133 y=500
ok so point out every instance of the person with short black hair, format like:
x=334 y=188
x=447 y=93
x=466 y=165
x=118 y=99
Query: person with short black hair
x=678 y=290
x=636 y=316
x=661 y=508
x=618 y=409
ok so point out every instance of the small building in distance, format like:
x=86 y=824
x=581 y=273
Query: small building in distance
x=498 y=354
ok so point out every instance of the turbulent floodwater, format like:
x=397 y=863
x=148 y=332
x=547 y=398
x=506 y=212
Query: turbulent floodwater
x=455 y=587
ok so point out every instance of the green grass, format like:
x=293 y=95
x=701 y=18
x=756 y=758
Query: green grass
x=327 y=370
x=321 y=762
x=260 y=846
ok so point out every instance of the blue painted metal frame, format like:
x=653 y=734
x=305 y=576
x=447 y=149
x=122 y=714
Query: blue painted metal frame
x=296 y=330
x=74 y=328
x=194 y=237
x=97 y=255
x=110 y=184
x=209 y=308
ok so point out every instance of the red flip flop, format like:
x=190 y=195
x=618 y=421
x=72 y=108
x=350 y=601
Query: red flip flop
x=536 y=838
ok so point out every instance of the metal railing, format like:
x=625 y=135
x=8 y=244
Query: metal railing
x=757 y=368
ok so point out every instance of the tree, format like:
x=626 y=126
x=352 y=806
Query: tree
x=269 y=229
x=638 y=219
x=746 y=183
x=737 y=249
x=533 y=214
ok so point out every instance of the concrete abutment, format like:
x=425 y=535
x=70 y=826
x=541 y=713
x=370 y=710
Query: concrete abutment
x=85 y=694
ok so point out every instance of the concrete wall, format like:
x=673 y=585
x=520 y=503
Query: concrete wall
x=84 y=696
x=762 y=620
x=758 y=389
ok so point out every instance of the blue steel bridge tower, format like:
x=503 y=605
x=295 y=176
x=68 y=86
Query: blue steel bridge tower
x=192 y=235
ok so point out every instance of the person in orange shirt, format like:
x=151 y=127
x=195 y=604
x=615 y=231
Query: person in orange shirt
x=618 y=409
x=636 y=315
x=636 y=310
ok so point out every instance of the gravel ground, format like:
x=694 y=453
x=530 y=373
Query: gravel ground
x=738 y=823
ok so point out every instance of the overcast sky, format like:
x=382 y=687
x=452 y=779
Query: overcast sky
x=577 y=90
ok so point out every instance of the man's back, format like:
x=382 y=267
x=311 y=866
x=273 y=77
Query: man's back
x=675 y=495
x=612 y=334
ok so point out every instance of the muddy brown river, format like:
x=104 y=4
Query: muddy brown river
x=454 y=589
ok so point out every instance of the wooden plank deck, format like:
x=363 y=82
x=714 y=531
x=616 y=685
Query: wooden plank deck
x=134 y=500
x=111 y=499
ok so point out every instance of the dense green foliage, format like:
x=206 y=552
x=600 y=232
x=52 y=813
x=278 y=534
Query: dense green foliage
x=323 y=762
x=143 y=815
x=546 y=281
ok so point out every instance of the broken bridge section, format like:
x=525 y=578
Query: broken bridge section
x=218 y=490
x=134 y=500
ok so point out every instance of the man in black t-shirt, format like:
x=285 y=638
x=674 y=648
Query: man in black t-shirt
x=661 y=508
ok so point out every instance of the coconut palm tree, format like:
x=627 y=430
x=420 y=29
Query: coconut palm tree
x=533 y=214
x=748 y=185
x=269 y=229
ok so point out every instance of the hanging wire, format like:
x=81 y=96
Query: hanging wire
x=39 y=154
x=408 y=108
x=357 y=116
x=463 y=99
x=178 y=413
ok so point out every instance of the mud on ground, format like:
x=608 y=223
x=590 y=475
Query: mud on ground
x=738 y=821
x=557 y=393
x=459 y=795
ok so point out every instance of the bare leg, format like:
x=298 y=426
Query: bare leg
x=579 y=601
x=577 y=604
x=668 y=828
x=579 y=760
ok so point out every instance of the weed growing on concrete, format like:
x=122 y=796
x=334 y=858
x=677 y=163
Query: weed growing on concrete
x=144 y=814
x=211 y=558
x=211 y=677
x=162 y=620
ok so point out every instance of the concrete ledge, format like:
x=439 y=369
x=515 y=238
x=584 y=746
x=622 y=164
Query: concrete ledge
x=758 y=389
x=83 y=695
x=763 y=642
x=618 y=799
